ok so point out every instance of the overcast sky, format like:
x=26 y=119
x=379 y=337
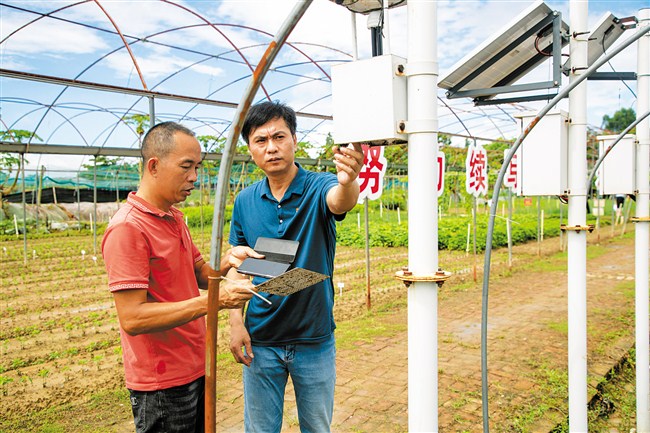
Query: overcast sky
x=60 y=48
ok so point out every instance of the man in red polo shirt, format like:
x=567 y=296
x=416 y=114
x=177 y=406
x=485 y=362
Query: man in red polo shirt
x=155 y=272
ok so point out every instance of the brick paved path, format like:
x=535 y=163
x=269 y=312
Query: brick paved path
x=526 y=317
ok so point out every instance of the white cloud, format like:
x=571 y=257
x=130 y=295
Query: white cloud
x=10 y=62
x=47 y=37
x=154 y=65
x=307 y=97
x=132 y=17
x=324 y=23
x=462 y=25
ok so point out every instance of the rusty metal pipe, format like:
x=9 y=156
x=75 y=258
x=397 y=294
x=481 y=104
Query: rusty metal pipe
x=220 y=203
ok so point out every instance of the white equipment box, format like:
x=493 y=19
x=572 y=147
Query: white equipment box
x=543 y=155
x=617 y=172
x=369 y=101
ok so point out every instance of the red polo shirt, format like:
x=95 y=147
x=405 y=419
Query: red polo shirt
x=146 y=248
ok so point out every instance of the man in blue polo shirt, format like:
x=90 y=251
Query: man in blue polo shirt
x=295 y=335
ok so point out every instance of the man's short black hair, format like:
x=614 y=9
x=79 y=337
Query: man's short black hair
x=264 y=112
x=159 y=140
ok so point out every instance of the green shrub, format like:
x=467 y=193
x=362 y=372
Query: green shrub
x=193 y=215
x=452 y=233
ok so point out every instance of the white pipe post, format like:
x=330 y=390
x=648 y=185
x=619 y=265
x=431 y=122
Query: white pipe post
x=22 y=165
x=577 y=240
x=94 y=226
x=642 y=230
x=78 y=202
x=422 y=125
x=353 y=24
x=152 y=112
x=509 y=228
x=386 y=27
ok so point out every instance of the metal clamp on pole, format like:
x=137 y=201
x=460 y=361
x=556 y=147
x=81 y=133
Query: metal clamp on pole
x=640 y=219
x=419 y=68
x=418 y=125
x=407 y=277
x=577 y=228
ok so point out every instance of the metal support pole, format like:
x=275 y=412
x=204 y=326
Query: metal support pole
x=474 y=212
x=152 y=112
x=78 y=203
x=377 y=50
x=367 y=227
x=642 y=231
x=509 y=228
x=39 y=191
x=22 y=164
x=117 y=188
x=422 y=73
x=386 y=28
x=539 y=226
x=495 y=197
x=220 y=204
x=577 y=240
x=94 y=225
x=353 y=24
x=377 y=41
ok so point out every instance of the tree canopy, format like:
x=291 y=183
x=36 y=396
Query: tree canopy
x=620 y=120
x=9 y=161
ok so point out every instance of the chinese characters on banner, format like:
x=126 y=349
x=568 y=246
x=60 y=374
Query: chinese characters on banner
x=476 y=168
x=441 y=173
x=510 y=179
x=371 y=177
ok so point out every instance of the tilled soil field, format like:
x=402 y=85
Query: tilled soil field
x=61 y=352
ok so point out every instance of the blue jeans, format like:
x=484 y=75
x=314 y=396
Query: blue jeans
x=313 y=372
x=173 y=410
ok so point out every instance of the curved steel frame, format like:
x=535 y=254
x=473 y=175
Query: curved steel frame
x=602 y=157
x=494 y=208
x=220 y=204
x=148 y=39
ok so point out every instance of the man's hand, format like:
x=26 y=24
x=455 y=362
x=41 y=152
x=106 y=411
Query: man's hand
x=239 y=338
x=348 y=161
x=236 y=255
x=233 y=293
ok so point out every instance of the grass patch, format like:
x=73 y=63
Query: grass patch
x=548 y=397
x=553 y=263
x=625 y=288
x=558 y=261
x=561 y=327
x=614 y=404
x=365 y=329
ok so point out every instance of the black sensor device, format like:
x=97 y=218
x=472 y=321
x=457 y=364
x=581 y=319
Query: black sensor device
x=278 y=256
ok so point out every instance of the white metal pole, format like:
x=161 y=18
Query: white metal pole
x=577 y=240
x=22 y=165
x=152 y=112
x=642 y=230
x=422 y=72
x=509 y=228
x=94 y=226
x=353 y=24
x=386 y=28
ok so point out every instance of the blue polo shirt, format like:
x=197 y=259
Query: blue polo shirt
x=301 y=215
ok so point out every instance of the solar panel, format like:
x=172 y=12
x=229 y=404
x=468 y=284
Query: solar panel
x=605 y=33
x=508 y=55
